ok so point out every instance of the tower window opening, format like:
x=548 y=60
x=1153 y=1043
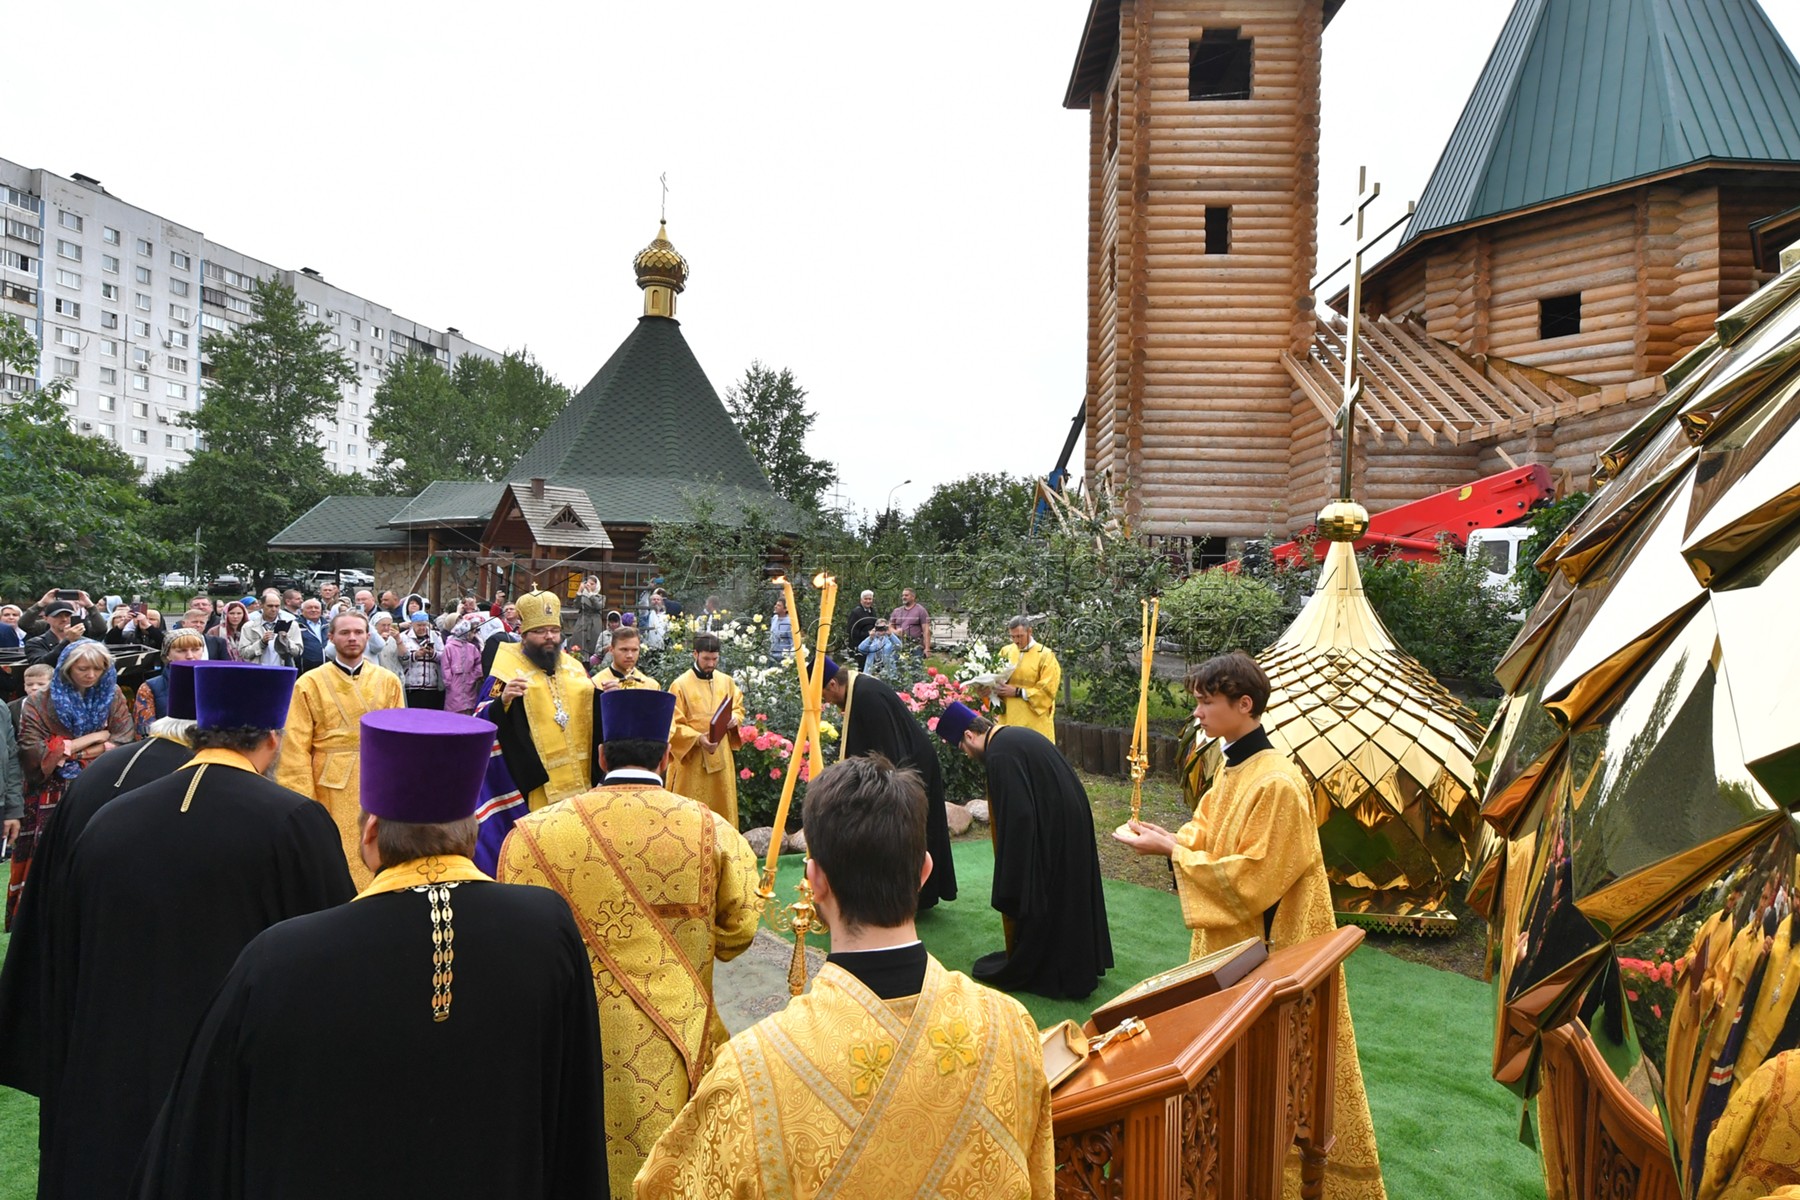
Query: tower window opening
x=1218 y=229
x=1219 y=66
x=1559 y=316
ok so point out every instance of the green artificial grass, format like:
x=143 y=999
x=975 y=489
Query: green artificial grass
x=18 y=1135
x=1444 y=1128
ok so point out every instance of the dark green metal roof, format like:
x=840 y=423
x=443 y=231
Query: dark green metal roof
x=344 y=523
x=451 y=503
x=1580 y=95
x=645 y=432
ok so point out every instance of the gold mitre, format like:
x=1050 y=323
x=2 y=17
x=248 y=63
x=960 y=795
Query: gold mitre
x=538 y=609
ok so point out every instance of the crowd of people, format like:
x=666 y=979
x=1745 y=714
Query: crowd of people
x=202 y=1014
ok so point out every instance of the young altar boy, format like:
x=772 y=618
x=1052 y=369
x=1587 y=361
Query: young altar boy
x=1249 y=865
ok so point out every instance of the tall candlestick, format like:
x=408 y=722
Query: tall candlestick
x=1139 y=757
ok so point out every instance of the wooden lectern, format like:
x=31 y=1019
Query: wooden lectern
x=1206 y=1102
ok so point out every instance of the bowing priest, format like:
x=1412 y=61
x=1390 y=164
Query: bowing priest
x=877 y=722
x=701 y=767
x=166 y=886
x=547 y=728
x=892 y=1076
x=324 y=732
x=1249 y=866
x=338 y=1057
x=660 y=887
x=622 y=671
x=1046 y=866
x=27 y=987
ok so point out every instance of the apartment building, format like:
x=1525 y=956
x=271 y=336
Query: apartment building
x=119 y=299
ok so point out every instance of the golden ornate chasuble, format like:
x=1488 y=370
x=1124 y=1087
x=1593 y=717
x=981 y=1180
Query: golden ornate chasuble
x=1253 y=844
x=710 y=778
x=321 y=751
x=1039 y=674
x=843 y=1094
x=660 y=887
x=564 y=750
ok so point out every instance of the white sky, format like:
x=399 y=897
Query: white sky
x=890 y=200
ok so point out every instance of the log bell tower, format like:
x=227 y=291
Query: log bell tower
x=1202 y=199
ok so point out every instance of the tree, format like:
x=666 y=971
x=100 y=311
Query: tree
x=472 y=423
x=988 y=505
x=257 y=463
x=72 y=510
x=769 y=409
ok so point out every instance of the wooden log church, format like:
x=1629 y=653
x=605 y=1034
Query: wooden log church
x=1624 y=172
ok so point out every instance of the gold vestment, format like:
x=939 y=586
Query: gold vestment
x=1038 y=674
x=660 y=887
x=1253 y=844
x=321 y=750
x=841 y=1092
x=694 y=772
x=635 y=679
x=566 y=751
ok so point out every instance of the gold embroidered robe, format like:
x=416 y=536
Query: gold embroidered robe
x=1253 y=843
x=321 y=752
x=1039 y=674
x=660 y=887
x=709 y=777
x=939 y=1094
x=564 y=750
x=636 y=679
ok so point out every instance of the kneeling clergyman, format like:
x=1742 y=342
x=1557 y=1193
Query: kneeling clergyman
x=892 y=1077
x=660 y=888
x=1249 y=865
x=435 y=1038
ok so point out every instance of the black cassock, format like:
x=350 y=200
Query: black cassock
x=1046 y=871
x=878 y=722
x=319 y=1071
x=157 y=905
x=26 y=980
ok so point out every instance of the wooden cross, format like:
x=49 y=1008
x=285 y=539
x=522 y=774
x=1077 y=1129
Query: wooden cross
x=1353 y=384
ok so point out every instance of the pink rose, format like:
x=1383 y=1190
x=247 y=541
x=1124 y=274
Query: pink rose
x=763 y=742
x=805 y=771
x=762 y=716
x=746 y=773
x=774 y=772
x=787 y=751
x=932 y=724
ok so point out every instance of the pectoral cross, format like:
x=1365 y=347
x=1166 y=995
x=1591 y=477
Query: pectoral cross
x=1353 y=385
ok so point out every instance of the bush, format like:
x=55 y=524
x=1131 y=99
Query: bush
x=1443 y=613
x=1213 y=612
x=1547 y=523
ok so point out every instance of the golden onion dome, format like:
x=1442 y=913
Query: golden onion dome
x=659 y=264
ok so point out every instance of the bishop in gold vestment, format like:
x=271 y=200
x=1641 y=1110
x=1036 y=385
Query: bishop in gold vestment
x=709 y=776
x=660 y=887
x=1252 y=849
x=320 y=750
x=938 y=1094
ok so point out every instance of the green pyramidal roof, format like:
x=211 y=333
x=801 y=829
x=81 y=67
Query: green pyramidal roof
x=1579 y=95
x=646 y=432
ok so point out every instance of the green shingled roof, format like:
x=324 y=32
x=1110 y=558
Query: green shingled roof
x=651 y=415
x=1579 y=95
x=344 y=523
x=451 y=503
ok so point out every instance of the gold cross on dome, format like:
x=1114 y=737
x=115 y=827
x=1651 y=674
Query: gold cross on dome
x=664 y=179
x=1366 y=195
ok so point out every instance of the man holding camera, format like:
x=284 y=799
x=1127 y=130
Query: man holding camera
x=271 y=636
x=65 y=612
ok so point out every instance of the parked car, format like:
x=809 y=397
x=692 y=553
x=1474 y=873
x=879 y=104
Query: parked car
x=355 y=577
x=229 y=582
x=174 y=581
x=281 y=581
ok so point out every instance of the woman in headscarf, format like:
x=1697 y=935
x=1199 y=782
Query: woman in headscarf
x=388 y=656
x=589 y=621
x=80 y=716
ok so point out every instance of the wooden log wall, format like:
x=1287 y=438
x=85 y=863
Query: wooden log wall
x=1189 y=401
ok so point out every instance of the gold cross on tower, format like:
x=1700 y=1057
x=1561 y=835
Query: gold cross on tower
x=664 y=216
x=1353 y=384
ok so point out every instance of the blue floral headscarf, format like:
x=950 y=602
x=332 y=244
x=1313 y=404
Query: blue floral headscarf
x=82 y=713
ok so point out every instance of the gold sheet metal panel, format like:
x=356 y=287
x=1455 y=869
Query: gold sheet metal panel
x=1644 y=769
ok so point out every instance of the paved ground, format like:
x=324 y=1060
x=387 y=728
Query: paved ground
x=754 y=984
